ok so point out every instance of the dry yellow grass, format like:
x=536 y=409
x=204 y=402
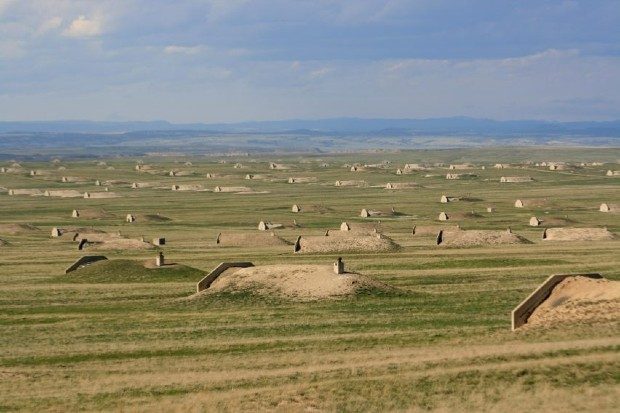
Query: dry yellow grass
x=441 y=342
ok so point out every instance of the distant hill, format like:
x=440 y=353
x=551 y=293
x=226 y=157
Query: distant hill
x=35 y=140
x=454 y=125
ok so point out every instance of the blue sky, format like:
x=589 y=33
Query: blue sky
x=234 y=60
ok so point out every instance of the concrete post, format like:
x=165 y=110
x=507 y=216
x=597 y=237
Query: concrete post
x=339 y=266
x=159 y=260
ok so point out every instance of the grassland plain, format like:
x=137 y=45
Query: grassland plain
x=443 y=342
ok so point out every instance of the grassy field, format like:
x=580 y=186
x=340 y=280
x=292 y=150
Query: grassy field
x=443 y=342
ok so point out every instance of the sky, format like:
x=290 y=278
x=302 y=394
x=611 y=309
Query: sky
x=238 y=60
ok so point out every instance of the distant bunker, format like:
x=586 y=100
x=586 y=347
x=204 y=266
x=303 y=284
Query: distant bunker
x=93 y=239
x=250 y=240
x=569 y=298
x=401 y=185
x=577 y=234
x=293 y=282
x=516 y=179
x=466 y=238
x=345 y=241
x=118 y=271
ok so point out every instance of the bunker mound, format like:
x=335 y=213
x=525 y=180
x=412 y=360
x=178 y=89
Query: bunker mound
x=254 y=239
x=188 y=187
x=460 y=238
x=401 y=185
x=579 y=299
x=229 y=189
x=557 y=221
x=100 y=195
x=31 y=192
x=340 y=242
x=152 y=218
x=351 y=183
x=428 y=230
x=94 y=214
x=63 y=193
x=111 y=242
x=516 y=179
x=297 y=282
x=577 y=234
x=17 y=229
x=302 y=179
x=130 y=271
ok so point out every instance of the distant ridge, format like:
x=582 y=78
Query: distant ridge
x=431 y=126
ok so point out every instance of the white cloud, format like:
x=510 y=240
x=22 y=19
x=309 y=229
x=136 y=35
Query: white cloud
x=84 y=27
x=319 y=73
x=186 y=50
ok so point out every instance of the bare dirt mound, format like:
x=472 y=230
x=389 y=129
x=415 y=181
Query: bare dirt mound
x=516 y=179
x=17 y=229
x=101 y=195
x=188 y=187
x=356 y=183
x=63 y=193
x=579 y=299
x=254 y=239
x=297 y=282
x=31 y=192
x=229 y=189
x=116 y=243
x=460 y=238
x=431 y=230
x=577 y=234
x=401 y=185
x=341 y=242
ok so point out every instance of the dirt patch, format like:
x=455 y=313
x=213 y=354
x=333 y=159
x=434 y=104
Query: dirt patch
x=460 y=238
x=577 y=234
x=579 y=299
x=346 y=241
x=297 y=282
x=17 y=229
x=254 y=239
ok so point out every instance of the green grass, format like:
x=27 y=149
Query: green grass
x=131 y=271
